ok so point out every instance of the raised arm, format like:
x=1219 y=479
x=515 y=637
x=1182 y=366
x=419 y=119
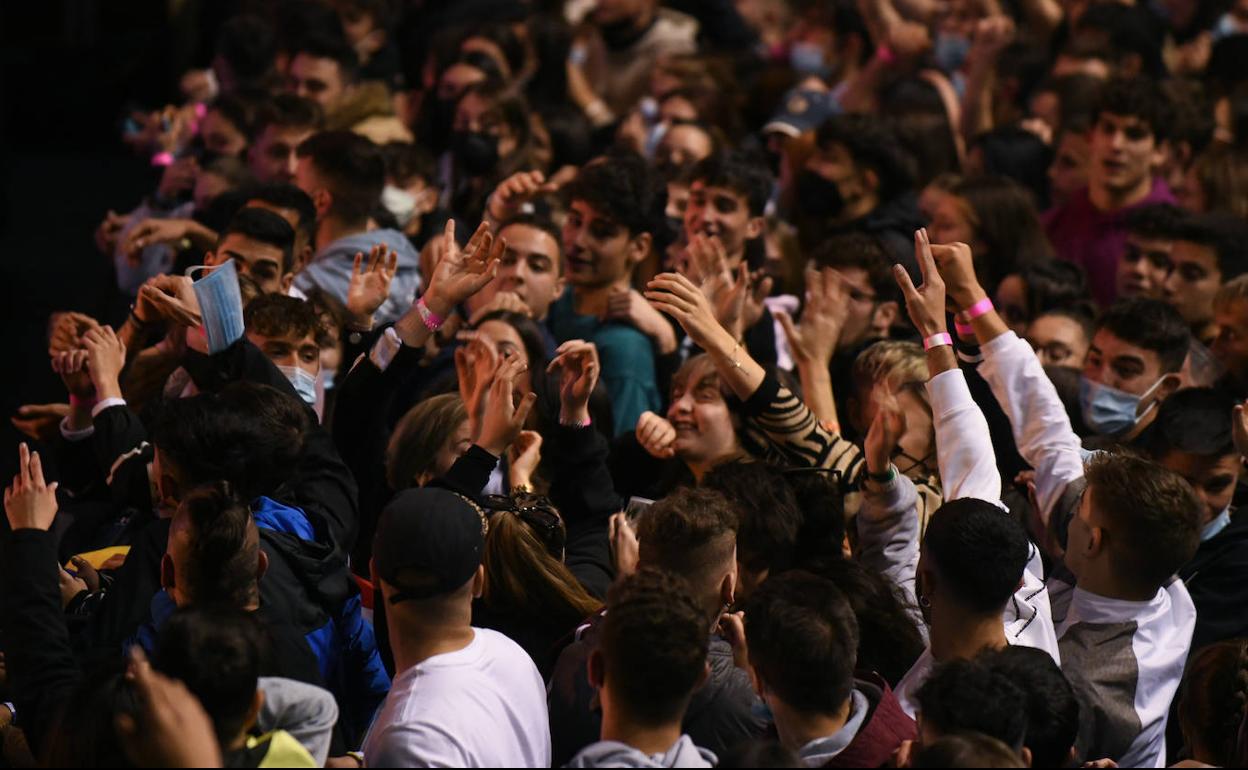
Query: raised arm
x=1041 y=427
x=968 y=466
x=814 y=339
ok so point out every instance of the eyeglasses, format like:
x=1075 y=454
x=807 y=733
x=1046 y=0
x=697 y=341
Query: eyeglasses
x=537 y=512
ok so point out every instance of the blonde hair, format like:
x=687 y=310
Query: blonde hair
x=1233 y=290
x=892 y=362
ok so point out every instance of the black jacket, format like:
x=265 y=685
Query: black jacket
x=1217 y=579
x=723 y=714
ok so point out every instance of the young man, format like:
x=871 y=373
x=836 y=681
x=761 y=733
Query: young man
x=728 y=194
x=1193 y=438
x=531 y=268
x=1132 y=367
x=1127 y=145
x=1125 y=629
x=1230 y=347
x=285 y=329
x=344 y=174
x=261 y=243
x=1052 y=708
x=1209 y=250
x=462 y=696
x=296 y=207
x=690 y=533
x=858 y=181
x=801 y=644
x=282 y=123
x=651 y=658
x=326 y=70
x=1145 y=263
x=606 y=235
x=967 y=696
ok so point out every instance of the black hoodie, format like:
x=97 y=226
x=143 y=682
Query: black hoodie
x=1217 y=579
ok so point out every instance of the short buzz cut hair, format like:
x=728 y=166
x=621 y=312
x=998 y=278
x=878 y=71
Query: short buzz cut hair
x=865 y=252
x=333 y=47
x=1152 y=513
x=654 y=645
x=1225 y=234
x=288 y=111
x=738 y=171
x=979 y=552
x=693 y=533
x=1152 y=325
x=277 y=316
x=803 y=641
x=353 y=169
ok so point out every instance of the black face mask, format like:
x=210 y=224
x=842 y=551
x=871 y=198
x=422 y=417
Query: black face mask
x=441 y=115
x=476 y=152
x=818 y=197
x=621 y=34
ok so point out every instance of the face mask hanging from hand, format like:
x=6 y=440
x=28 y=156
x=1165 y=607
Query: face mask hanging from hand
x=1112 y=412
x=220 y=304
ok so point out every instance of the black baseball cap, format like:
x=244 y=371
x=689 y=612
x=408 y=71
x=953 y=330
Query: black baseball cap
x=428 y=543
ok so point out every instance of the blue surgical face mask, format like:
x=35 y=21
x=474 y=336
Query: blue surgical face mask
x=654 y=135
x=950 y=51
x=220 y=304
x=808 y=59
x=303 y=383
x=1215 y=527
x=1108 y=411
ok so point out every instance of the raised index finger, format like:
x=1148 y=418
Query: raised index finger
x=923 y=253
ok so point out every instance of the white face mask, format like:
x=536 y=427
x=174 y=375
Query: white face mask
x=303 y=383
x=400 y=203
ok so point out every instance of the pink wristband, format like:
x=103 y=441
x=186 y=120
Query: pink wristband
x=964 y=330
x=938 y=340
x=162 y=159
x=981 y=308
x=432 y=321
x=76 y=401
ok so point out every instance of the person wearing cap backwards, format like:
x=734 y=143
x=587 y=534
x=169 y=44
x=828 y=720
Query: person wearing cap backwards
x=462 y=696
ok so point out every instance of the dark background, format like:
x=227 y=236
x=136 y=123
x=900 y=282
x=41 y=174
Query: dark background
x=69 y=72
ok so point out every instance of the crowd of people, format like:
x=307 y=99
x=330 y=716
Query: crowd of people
x=615 y=383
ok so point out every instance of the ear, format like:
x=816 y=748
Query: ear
x=561 y=283
x=323 y=201
x=478 y=583
x=885 y=317
x=210 y=259
x=704 y=676
x=262 y=564
x=288 y=279
x=167 y=577
x=595 y=669
x=1026 y=756
x=757 y=683
x=303 y=258
x=1096 y=541
x=871 y=180
x=728 y=587
x=1170 y=384
x=754 y=228
x=1161 y=149
x=639 y=248
x=253 y=713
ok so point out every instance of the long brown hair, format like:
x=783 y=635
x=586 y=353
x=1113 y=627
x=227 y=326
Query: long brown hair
x=1213 y=702
x=419 y=436
x=523 y=577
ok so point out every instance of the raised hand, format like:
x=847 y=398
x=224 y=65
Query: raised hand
x=106 y=357
x=462 y=273
x=72 y=366
x=886 y=431
x=475 y=366
x=370 y=284
x=523 y=457
x=66 y=329
x=40 y=422
x=578 y=367
x=813 y=340
x=172 y=298
x=171 y=728
x=108 y=230
x=504 y=418
x=956 y=264
x=506 y=200
x=926 y=304
x=675 y=295
x=30 y=502
x=151 y=232
x=656 y=435
x=628 y=306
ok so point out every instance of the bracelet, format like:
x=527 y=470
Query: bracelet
x=577 y=423
x=77 y=401
x=937 y=341
x=981 y=308
x=432 y=321
x=735 y=363
x=964 y=330
x=12 y=713
x=883 y=478
x=139 y=322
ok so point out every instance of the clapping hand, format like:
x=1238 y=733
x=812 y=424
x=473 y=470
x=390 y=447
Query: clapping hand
x=462 y=273
x=675 y=295
x=30 y=502
x=106 y=357
x=813 y=340
x=578 y=367
x=886 y=431
x=506 y=200
x=476 y=364
x=370 y=284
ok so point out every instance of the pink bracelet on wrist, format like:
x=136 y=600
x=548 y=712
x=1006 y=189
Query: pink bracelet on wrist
x=964 y=330
x=938 y=340
x=432 y=320
x=77 y=401
x=981 y=308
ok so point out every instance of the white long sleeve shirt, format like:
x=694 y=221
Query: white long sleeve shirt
x=888 y=522
x=1125 y=659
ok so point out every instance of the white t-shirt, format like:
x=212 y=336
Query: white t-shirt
x=483 y=706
